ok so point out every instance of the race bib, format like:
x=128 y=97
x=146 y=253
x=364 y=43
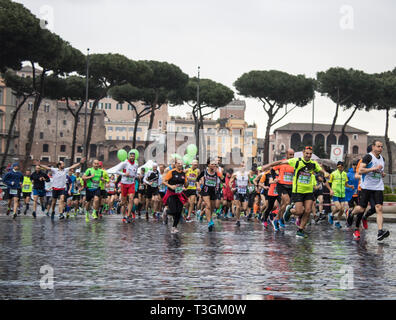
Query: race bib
x=251 y=189
x=13 y=191
x=111 y=189
x=162 y=188
x=154 y=185
x=130 y=179
x=288 y=177
x=191 y=183
x=304 y=178
x=210 y=183
x=83 y=192
x=94 y=184
x=377 y=176
x=242 y=190
x=26 y=187
x=178 y=190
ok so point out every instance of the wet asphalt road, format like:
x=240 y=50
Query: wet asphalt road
x=143 y=260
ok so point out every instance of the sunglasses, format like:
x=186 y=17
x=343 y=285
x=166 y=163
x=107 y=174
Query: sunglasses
x=308 y=148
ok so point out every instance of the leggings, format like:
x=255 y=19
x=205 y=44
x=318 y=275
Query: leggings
x=271 y=203
x=175 y=209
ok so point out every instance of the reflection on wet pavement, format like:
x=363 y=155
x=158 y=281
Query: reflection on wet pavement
x=110 y=260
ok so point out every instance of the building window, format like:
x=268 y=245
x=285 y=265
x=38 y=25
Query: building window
x=62 y=148
x=78 y=159
x=139 y=130
x=48 y=122
x=45 y=159
x=46 y=107
x=160 y=124
x=61 y=134
x=45 y=147
x=41 y=135
x=355 y=137
x=123 y=138
x=30 y=106
x=62 y=159
x=118 y=138
x=79 y=149
x=110 y=128
x=138 y=139
x=129 y=107
x=64 y=122
x=110 y=138
x=119 y=106
x=355 y=150
x=236 y=140
x=273 y=147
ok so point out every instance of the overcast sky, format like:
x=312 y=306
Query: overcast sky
x=227 y=38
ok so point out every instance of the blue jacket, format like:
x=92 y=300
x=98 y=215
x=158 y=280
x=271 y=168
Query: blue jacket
x=351 y=181
x=13 y=179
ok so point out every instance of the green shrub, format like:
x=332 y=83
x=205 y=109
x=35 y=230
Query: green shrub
x=387 y=190
x=390 y=198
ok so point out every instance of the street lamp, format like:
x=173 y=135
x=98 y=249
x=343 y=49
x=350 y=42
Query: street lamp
x=86 y=107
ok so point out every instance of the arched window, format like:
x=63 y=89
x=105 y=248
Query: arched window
x=307 y=139
x=355 y=150
x=295 y=141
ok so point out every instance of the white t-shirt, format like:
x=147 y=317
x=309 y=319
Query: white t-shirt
x=373 y=180
x=48 y=188
x=59 y=178
x=128 y=167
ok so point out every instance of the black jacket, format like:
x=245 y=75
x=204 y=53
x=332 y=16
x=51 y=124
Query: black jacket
x=37 y=183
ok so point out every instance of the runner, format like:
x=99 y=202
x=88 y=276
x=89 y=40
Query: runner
x=152 y=180
x=13 y=179
x=241 y=177
x=339 y=180
x=111 y=188
x=39 y=178
x=94 y=177
x=140 y=195
x=273 y=198
x=59 y=184
x=174 y=198
x=228 y=196
x=302 y=192
x=284 y=186
x=264 y=185
x=191 y=191
x=253 y=196
x=128 y=172
x=78 y=188
x=351 y=194
x=372 y=171
x=48 y=194
x=27 y=188
x=103 y=192
x=210 y=182
x=219 y=190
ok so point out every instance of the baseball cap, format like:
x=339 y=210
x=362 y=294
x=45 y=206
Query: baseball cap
x=340 y=163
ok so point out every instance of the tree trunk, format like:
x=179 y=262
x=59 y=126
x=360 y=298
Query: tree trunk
x=137 y=119
x=387 y=142
x=10 y=128
x=328 y=149
x=267 y=136
x=75 y=125
x=349 y=119
x=150 y=126
x=90 y=127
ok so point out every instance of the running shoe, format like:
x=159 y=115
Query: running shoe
x=133 y=215
x=94 y=215
x=338 y=225
x=349 y=219
x=87 y=216
x=25 y=212
x=275 y=224
x=356 y=235
x=47 y=214
x=100 y=216
x=14 y=216
x=210 y=225
x=124 y=220
x=287 y=214
x=238 y=223
x=61 y=216
x=188 y=219
x=34 y=214
x=265 y=223
x=281 y=224
x=301 y=234
x=331 y=219
x=298 y=222
x=8 y=211
x=67 y=215
x=364 y=222
x=316 y=219
x=42 y=208
x=174 y=230
x=382 y=234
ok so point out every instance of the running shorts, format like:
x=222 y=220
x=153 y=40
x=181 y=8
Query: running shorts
x=365 y=195
x=127 y=189
x=302 y=197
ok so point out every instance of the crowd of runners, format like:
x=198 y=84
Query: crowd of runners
x=291 y=191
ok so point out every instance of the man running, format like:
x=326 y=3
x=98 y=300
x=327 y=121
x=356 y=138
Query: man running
x=302 y=192
x=339 y=180
x=13 y=179
x=27 y=188
x=284 y=186
x=39 y=178
x=128 y=172
x=94 y=177
x=241 y=196
x=59 y=180
x=372 y=184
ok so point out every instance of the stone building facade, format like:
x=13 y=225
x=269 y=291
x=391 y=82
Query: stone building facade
x=297 y=135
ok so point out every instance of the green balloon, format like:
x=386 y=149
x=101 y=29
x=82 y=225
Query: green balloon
x=187 y=159
x=122 y=155
x=192 y=150
x=135 y=152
